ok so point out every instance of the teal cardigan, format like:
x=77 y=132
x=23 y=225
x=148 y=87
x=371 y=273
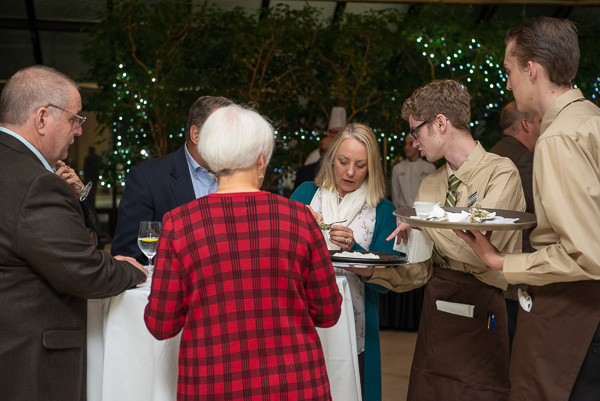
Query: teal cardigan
x=385 y=223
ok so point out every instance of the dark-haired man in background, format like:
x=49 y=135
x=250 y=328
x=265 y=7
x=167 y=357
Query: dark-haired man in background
x=520 y=132
x=156 y=186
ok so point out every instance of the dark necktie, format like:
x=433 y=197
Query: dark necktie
x=453 y=183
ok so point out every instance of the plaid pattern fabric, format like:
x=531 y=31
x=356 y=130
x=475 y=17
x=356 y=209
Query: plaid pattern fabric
x=453 y=183
x=247 y=277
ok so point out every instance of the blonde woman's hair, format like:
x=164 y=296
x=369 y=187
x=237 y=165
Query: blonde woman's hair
x=375 y=180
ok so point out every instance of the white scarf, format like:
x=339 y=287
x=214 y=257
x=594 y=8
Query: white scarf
x=346 y=210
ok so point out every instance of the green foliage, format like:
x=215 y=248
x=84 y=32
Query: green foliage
x=152 y=62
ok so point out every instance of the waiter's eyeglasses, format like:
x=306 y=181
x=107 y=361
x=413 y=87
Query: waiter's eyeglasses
x=413 y=132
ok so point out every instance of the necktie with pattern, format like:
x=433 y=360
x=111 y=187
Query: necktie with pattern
x=453 y=183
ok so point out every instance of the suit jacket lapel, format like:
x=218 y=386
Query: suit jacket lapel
x=182 y=187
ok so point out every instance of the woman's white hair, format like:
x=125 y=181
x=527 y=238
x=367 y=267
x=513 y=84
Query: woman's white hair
x=233 y=137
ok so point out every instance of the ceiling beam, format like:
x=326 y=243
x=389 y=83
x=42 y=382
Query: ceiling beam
x=34 y=33
x=340 y=7
x=47 y=25
x=264 y=8
x=571 y=3
x=562 y=12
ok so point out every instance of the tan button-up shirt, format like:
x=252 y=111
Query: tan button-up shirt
x=497 y=183
x=566 y=189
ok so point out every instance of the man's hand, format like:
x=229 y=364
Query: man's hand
x=70 y=176
x=366 y=272
x=483 y=247
x=401 y=232
x=133 y=262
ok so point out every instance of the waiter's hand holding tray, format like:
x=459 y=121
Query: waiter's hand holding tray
x=499 y=220
x=364 y=259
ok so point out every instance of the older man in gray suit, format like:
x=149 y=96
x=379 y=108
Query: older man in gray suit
x=48 y=263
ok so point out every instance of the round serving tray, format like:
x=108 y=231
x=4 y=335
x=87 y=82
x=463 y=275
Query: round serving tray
x=526 y=220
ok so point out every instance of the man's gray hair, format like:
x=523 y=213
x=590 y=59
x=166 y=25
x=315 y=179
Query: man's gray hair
x=31 y=88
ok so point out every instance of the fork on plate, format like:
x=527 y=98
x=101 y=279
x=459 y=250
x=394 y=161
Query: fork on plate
x=327 y=226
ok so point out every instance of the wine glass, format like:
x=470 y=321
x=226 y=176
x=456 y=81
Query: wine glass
x=147 y=240
x=84 y=191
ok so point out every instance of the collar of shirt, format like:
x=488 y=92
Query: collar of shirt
x=557 y=106
x=466 y=171
x=29 y=145
x=203 y=181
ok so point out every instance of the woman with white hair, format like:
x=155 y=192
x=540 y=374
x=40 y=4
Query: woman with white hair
x=350 y=189
x=246 y=275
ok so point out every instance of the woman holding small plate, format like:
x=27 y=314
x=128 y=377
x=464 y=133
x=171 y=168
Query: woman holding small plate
x=350 y=188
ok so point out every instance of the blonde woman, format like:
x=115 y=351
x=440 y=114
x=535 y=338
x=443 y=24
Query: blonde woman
x=350 y=187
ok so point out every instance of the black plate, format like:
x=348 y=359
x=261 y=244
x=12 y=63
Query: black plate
x=385 y=260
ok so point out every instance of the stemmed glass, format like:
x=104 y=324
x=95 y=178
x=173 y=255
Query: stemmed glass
x=147 y=240
x=84 y=191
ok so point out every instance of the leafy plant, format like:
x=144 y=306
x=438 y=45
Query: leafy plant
x=153 y=62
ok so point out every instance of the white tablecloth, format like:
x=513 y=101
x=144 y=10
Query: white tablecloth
x=339 y=348
x=126 y=363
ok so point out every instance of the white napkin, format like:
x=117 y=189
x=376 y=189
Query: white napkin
x=418 y=247
x=455 y=308
x=525 y=300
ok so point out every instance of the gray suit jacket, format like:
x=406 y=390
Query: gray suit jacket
x=48 y=268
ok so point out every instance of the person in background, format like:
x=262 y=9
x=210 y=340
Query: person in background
x=246 y=275
x=462 y=350
x=520 y=132
x=555 y=350
x=337 y=121
x=156 y=186
x=408 y=174
x=309 y=171
x=350 y=187
x=91 y=171
x=403 y=310
x=49 y=267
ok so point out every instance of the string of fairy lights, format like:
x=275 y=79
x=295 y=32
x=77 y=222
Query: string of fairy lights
x=452 y=58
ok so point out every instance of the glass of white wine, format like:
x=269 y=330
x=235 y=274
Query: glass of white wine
x=147 y=240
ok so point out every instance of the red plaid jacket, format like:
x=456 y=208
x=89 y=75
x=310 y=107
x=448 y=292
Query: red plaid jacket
x=247 y=276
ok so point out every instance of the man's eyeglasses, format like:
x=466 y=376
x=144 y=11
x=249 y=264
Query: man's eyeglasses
x=77 y=118
x=413 y=132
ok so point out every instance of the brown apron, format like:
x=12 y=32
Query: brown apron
x=458 y=357
x=553 y=339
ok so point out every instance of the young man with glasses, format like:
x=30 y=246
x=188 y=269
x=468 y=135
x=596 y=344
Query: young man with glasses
x=462 y=346
x=556 y=346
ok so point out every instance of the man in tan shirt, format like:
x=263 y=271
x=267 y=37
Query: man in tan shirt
x=459 y=356
x=556 y=345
